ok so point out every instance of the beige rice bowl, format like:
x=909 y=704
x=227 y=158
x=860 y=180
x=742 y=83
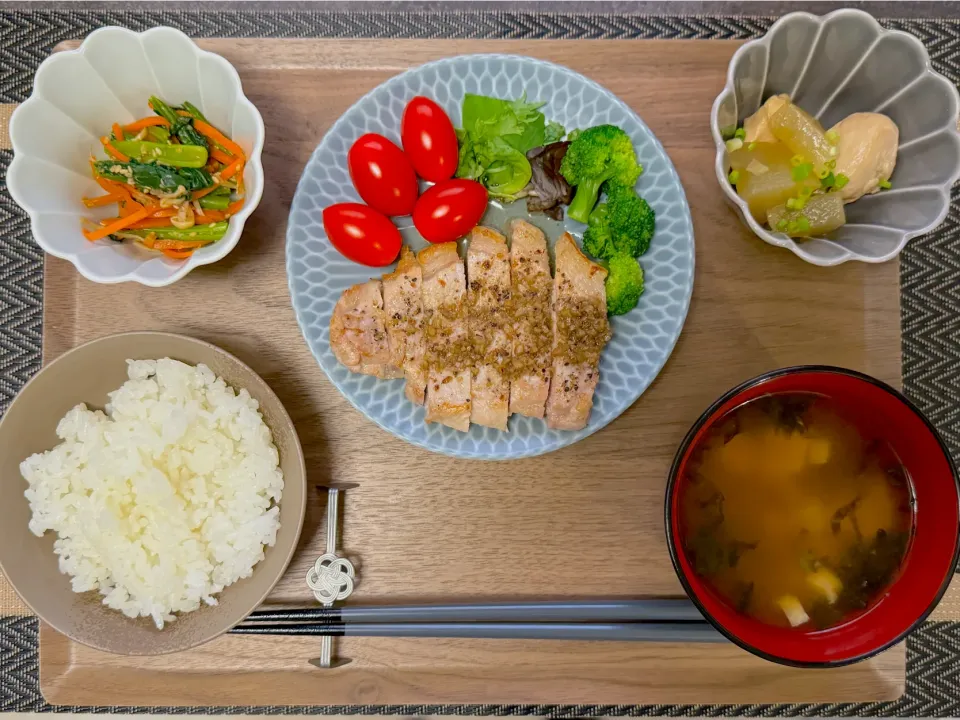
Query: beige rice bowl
x=165 y=499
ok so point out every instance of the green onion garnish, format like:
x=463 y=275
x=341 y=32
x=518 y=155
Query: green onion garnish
x=831 y=163
x=841 y=180
x=734 y=144
x=782 y=225
x=752 y=146
x=801 y=172
x=823 y=172
x=885 y=184
x=806 y=191
x=828 y=182
x=833 y=137
x=734 y=177
x=791 y=204
x=803 y=224
x=833 y=151
x=740 y=133
x=796 y=160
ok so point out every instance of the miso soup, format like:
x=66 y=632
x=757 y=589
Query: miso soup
x=792 y=515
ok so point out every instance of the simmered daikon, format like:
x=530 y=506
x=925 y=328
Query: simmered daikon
x=800 y=132
x=765 y=177
x=818 y=216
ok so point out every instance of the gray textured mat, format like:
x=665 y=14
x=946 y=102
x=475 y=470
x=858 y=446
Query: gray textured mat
x=930 y=312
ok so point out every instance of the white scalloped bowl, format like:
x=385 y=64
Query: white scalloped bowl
x=77 y=96
x=832 y=66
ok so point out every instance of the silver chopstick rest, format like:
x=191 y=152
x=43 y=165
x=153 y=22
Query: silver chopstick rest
x=331 y=578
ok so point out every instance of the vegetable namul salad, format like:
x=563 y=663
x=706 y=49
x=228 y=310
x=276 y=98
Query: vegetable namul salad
x=793 y=516
x=175 y=178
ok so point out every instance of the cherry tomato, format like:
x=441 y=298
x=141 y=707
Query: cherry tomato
x=382 y=175
x=362 y=234
x=450 y=209
x=429 y=139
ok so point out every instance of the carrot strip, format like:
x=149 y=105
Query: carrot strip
x=144 y=199
x=178 y=254
x=152 y=222
x=103 y=200
x=128 y=208
x=221 y=156
x=151 y=121
x=165 y=244
x=117 y=226
x=112 y=151
x=234 y=207
x=162 y=218
x=197 y=194
x=118 y=132
x=232 y=169
x=111 y=186
x=210 y=132
x=124 y=192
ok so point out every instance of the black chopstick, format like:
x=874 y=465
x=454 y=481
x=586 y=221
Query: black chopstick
x=673 y=632
x=582 y=611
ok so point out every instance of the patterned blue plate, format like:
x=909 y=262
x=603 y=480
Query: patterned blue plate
x=318 y=274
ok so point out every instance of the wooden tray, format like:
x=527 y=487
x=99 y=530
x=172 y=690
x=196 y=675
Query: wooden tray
x=584 y=521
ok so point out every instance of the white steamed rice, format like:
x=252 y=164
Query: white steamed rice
x=164 y=500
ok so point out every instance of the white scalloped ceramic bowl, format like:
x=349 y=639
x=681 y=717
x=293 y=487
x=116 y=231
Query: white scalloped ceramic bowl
x=833 y=66
x=77 y=95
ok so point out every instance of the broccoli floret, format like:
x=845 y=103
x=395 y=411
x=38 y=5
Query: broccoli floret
x=631 y=220
x=597 y=239
x=598 y=154
x=624 y=284
x=623 y=225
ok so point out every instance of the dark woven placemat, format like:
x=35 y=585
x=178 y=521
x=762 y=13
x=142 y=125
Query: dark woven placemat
x=929 y=281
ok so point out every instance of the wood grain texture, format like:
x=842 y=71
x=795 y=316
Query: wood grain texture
x=254 y=671
x=10 y=602
x=6 y=110
x=584 y=521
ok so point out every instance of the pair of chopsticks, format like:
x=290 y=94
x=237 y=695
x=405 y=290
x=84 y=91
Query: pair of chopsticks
x=636 y=620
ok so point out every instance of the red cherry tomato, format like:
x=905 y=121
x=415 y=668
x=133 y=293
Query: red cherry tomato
x=382 y=175
x=450 y=209
x=362 y=234
x=429 y=140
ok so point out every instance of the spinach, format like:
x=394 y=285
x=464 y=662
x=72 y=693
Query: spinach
x=180 y=126
x=154 y=176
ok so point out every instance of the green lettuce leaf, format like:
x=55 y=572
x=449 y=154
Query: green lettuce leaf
x=495 y=138
x=553 y=132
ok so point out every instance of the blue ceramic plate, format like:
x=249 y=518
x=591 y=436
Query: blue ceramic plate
x=318 y=274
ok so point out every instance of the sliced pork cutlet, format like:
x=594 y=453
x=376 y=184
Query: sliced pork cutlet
x=358 y=332
x=580 y=331
x=403 y=306
x=488 y=302
x=447 y=346
x=532 y=306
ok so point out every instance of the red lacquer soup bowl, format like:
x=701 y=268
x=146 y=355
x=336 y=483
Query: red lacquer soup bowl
x=879 y=411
